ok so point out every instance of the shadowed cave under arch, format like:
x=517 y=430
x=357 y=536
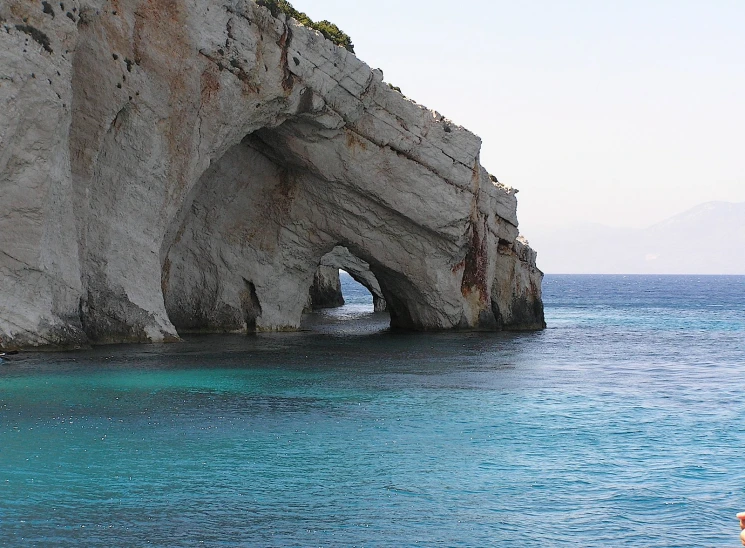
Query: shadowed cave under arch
x=262 y=221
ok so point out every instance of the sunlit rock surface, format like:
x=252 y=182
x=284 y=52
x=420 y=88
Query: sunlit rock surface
x=185 y=165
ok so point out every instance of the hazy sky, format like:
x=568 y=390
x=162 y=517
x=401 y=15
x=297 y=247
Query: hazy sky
x=619 y=112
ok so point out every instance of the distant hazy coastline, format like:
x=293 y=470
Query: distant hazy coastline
x=707 y=239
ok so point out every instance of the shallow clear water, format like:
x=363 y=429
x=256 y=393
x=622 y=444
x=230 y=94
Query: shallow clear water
x=619 y=425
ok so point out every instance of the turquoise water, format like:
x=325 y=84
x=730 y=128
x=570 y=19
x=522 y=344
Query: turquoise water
x=619 y=425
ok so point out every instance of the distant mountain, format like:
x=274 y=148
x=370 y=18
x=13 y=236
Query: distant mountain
x=708 y=239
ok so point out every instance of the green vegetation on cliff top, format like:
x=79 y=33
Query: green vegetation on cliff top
x=327 y=28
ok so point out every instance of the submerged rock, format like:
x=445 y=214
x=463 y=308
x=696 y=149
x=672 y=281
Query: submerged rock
x=185 y=166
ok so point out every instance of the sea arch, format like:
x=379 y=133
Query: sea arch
x=265 y=215
x=208 y=172
x=326 y=291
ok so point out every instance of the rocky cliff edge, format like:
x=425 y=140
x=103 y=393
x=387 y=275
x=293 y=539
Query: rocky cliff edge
x=185 y=165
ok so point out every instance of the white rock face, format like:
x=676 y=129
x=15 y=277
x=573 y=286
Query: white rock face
x=187 y=164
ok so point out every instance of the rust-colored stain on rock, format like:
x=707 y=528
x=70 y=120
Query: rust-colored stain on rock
x=354 y=140
x=475 y=265
x=210 y=83
x=288 y=80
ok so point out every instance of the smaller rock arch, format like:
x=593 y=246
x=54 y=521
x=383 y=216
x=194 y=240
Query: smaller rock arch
x=326 y=289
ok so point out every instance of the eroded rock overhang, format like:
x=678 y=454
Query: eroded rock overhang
x=186 y=165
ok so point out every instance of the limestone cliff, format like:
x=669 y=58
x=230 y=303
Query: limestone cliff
x=185 y=165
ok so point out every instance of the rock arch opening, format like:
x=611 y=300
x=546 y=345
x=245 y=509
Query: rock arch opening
x=338 y=266
x=263 y=224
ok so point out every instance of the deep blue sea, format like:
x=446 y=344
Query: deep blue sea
x=622 y=424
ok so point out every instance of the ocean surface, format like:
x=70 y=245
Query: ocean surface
x=622 y=424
